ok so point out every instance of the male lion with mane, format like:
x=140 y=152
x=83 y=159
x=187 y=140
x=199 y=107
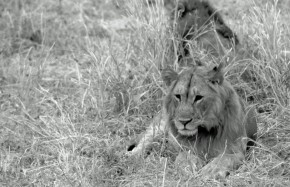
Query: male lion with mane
x=198 y=20
x=204 y=114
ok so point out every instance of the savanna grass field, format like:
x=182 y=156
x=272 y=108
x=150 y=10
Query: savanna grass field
x=79 y=80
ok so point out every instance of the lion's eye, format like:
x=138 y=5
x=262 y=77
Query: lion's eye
x=181 y=14
x=178 y=97
x=181 y=11
x=198 y=98
x=214 y=81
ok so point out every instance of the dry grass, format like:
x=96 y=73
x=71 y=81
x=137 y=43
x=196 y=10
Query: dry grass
x=80 y=79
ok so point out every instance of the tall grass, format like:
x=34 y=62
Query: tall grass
x=270 y=37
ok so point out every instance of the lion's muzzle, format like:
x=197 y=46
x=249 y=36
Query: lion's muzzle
x=185 y=121
x=186 y=126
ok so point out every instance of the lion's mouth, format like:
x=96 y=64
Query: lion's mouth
x=187 y=132
x=189 y=129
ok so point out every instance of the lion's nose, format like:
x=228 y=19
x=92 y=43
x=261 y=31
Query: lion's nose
x=185 y=121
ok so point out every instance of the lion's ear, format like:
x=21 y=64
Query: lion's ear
x=168 y=76
x=216 y=75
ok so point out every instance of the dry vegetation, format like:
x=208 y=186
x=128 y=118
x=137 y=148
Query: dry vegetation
x=80 y=79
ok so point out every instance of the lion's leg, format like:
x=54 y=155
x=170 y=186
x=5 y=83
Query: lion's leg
x=228 y=160
x=156 y=128
x=188 y=161
x=221 y=166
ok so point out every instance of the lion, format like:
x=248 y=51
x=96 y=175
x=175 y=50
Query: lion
x=198 y=20
x=204 y=114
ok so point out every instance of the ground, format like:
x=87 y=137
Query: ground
x=79 y=80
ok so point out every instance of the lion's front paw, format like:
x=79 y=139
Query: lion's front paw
x=188 y=162
x=216 y=169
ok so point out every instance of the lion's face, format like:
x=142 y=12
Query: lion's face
x=195 y=99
